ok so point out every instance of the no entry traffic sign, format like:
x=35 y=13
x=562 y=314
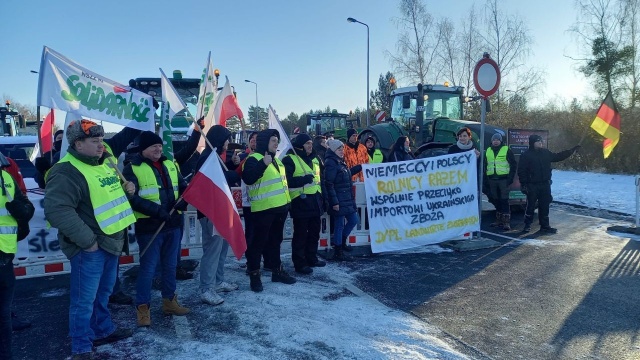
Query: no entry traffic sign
x=486 y=76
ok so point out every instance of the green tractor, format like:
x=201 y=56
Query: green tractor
x=331 y=123
x=431 y=115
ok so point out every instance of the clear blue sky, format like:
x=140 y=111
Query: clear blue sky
x=303 y=54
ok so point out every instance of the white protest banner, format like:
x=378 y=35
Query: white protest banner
x=421 y=202
x=67 y=86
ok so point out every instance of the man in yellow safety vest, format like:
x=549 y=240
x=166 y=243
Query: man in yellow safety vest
x=88 y=205
x=500 y=169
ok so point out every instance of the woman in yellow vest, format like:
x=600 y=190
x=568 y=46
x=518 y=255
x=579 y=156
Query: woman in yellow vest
x=14 y=207
x=87 y=203
x=303 y=178
x=159 y=185
x=266 y=180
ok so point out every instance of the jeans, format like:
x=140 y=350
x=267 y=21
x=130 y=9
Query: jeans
x=267 y=238
x=304 y=245
x=214 y=252
x=93 y=275
x=342 y=231
x=7 y=285
x=163 y=250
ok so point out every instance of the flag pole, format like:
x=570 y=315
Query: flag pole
x=155 y=235
x=39 y=131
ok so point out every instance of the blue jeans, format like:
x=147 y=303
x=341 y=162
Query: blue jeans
x=92 y=277
x=164 y=250
x=214 y=252
x=341 y=230
x=7 y=285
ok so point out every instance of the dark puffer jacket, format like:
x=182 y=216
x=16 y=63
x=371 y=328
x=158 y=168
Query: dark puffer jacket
x=337 y=181
x=535 y=164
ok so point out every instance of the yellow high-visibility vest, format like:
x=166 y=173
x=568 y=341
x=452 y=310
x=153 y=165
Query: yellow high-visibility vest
x=302 y=169
x=110 y=204
x=270 y=191
x=149 y=188
x=377 y=157
x=497 y=164
x=8 y=224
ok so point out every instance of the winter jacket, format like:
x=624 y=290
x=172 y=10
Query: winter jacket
x=312 y=205
x=535 y=164
x=253 y=169
x=337 y=180
x=187 y=157
x=511 y=159
x=355 y=155
x=401 y=155
x=67 y=207
x=167 y=198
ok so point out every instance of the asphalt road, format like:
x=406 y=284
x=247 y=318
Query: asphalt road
x=570 y=295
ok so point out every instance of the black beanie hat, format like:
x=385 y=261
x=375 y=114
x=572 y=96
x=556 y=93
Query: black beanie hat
x=300 y=140
x=146 y=139
x=351 y=132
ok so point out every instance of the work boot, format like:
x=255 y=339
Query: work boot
x=182 y=274
x=317 y=263
x=172 y=307
x=144 y=315
x=506 y=222
x=282 y=276
x=339 y=254
x=120 y=298
x=345 y=245
x=498 y=221
x=255 y=281
x=527 y=228
x=188 y=264
x=119 y=334
x=305 y=270
x=548 y=229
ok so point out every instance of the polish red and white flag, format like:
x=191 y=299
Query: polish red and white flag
x=226 y=105
x=209 y=192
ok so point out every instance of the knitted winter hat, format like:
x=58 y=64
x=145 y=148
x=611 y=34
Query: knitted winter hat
x=334 y=144
x=146 y=139
x=351 y=132
x=82 y=129
x=300 y=140
x=496 y=136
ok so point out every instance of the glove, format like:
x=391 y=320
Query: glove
x=42 y=164
x=163 y=215
x=21 y=211
x=356 y=169
x=181 y=205
x=576 y=148
x=524 y=189
x=200 y=123
x=308 y=179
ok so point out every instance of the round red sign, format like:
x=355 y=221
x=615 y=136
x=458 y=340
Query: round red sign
x=486 y=77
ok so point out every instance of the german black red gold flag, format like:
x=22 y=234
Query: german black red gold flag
x=607 y=124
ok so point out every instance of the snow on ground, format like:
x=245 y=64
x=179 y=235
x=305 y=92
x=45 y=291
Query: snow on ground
x=594 y=190
x=322 y=316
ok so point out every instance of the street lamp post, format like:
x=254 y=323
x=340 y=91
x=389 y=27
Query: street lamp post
x=257 y=113
x=352 y=20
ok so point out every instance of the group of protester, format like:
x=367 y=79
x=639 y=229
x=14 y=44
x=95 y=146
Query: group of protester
x=92 y=205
